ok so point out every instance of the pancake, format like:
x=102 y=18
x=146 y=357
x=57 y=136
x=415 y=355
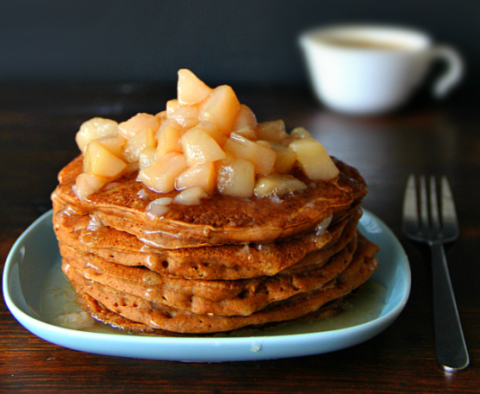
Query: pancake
x=218 y=220
x=106 y=316
x=162 y=317
x=226 y=298
x=228 y=262
x=199 y=220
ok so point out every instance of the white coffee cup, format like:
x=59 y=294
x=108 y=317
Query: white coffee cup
x=368 y=69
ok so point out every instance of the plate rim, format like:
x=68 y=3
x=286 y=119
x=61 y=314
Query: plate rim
x=375 y=325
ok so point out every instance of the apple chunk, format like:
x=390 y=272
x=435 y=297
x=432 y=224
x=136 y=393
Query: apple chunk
x=138 y=142
x=261 y=156
x=190 y=89
x=186 y=117
x=199 y=147
x=202 y=175
x=314 y=159
x=87 y=184
x=245 y=118
x=299 y=133
x=114 y=144
x=236 y=177
x=285 y=159
x=277 y=185
x=138 y=123
x=168 y=137
x=247 y=132
x=212 y=131
x=272 y=131
x=172 y=106
x=161 y=116
x=221 y=108
x=190 y=196
x=160 y=175
x=93 y=129
x=147 y=157
x=98 y=160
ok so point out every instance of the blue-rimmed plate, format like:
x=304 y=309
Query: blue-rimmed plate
x=28 y=271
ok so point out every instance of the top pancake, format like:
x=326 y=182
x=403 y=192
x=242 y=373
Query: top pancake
x=218 y=220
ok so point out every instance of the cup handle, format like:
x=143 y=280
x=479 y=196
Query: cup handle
x=454 y=72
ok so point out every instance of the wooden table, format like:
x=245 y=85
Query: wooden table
x=37 y=127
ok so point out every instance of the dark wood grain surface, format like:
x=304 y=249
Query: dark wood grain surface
x=37 y=127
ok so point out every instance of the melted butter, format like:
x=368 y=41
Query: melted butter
x=158 y=207
x=93 y=269
x=322 y=226
x=275 y=199
x=365 y=305
x=142 y=194
x=94 y=224
x=145 y=249
x=258 y=247
x=59 y=308
x=68 y=211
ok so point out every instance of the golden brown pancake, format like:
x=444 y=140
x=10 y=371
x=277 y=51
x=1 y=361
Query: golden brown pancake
x=226 y=298
x=225 y=265
x=219 y=220
x=227 y=262
x=162 y=317
x=106 y=316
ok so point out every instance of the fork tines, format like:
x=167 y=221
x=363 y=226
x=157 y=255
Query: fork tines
x=422 y=212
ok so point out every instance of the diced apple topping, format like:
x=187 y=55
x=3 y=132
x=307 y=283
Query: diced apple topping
x=190 y=196
x=314 y=159
x=245 y=118
x=147 y=157
x=186 y=117
x=247 y=132
x=98 y=160
x=136 y=143
x=299 y=133
x=277 y=185
x=87 y=184
x=265 y=144
x=168 y=137
x=236 y=177
x=205 y=141
x=272 y=131
x=190 y=89
x=172 y=106
x=160 y=175
x=212 y=130
x=296 y=134
x=138 y=123
x=132 y=167
x=221 y=108
x=93 y=129
x=114 y=144
x=162 y=116
x=159 y=207
x=285 y=160
x=199 y=147
x=262 y=157
x=202 y=175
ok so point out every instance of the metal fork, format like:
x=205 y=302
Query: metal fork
x=434 y=225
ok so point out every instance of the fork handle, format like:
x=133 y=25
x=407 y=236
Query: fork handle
x=450 y=344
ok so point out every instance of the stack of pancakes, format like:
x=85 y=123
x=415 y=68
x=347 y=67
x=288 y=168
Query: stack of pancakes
x=226 y=264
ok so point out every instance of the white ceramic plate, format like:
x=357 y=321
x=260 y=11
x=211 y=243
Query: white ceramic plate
x=36 y=252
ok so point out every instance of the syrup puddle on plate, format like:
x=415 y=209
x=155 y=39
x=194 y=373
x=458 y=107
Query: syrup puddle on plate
x=58 y=307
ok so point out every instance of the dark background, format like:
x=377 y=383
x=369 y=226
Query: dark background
x=235 y=42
